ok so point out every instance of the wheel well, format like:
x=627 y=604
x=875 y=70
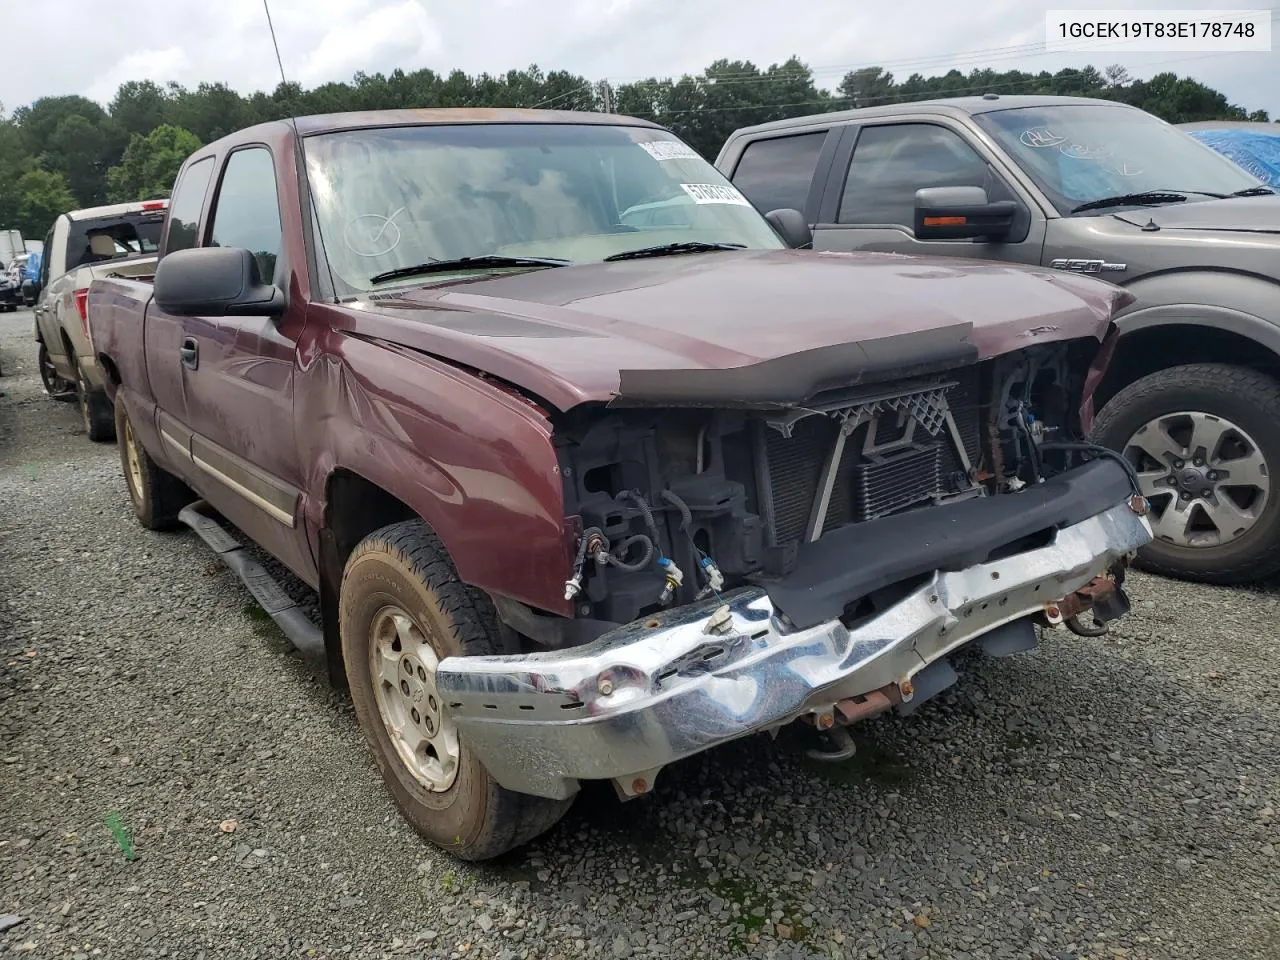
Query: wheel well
x=1151 y=349
x=354 y=508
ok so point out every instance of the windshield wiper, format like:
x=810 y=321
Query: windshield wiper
x=1137 y=199
x=465 y=263
x=670 y=249
x=1254 y=192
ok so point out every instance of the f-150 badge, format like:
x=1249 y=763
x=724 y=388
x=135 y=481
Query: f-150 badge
x=1088 y=266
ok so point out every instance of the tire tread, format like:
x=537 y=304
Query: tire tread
x=1259 y=390
x=517 y=817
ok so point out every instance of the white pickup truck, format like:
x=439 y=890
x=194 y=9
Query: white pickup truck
x=120 y=240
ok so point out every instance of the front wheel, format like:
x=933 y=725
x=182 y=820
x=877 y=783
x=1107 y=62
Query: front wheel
x=1205 y=439
x=402 y=610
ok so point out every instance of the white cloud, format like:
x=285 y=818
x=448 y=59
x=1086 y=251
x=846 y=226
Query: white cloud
x=194 y=40
x=171 y=61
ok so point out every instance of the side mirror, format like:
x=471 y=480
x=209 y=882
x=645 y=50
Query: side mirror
x=959 y=213
x=214 y=282
x=792 y=227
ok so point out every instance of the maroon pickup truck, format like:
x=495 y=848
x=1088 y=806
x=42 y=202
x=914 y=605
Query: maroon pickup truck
x=590 y=469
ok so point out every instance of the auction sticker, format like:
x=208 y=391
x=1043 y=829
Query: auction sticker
x=669 y=150
x=715 y=193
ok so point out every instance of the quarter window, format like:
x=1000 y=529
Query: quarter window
x=893 y=161
x=247 y=213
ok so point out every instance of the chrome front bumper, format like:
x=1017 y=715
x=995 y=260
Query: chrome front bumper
x=655 y=691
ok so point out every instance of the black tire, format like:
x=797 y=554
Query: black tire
x=95 y=409
x=54 y=385
x=406 y=565
x=157 y=495
x=1249 y=399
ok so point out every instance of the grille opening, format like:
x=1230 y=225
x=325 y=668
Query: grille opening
x=900 y=471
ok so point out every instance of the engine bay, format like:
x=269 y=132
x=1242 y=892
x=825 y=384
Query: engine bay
x=680 y=504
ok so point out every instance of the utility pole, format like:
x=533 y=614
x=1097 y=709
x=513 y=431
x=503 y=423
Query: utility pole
x=606 y=93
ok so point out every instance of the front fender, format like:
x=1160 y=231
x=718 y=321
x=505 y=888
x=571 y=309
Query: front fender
x=473 y=462
x=1239 y=303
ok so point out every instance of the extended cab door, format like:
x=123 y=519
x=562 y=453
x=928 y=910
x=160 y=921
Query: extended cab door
x=238 y=373
x=869 y=199
x=164 y=333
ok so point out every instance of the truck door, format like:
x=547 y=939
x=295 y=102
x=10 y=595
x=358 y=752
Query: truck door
x=238 y=373
x=869 y=200
x=163 y=335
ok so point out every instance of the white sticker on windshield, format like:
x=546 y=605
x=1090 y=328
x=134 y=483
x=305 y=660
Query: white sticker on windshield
x=715 y=193
x=669 y=150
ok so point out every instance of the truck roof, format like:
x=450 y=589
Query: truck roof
x=117 y=209
x=371 y=119
x=952 y=106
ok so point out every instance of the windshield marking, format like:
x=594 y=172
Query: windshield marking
x=1040 y=137
x=715 y=193
x=669 y=150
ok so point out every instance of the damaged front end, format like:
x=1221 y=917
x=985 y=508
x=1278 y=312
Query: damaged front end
x=739 y=565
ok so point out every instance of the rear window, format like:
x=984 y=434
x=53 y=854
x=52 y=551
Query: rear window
x=113 y=238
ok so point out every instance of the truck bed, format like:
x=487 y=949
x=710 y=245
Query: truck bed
x=116 y=310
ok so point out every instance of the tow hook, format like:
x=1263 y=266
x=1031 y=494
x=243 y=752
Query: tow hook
x=833 y=722
x=1102 y=596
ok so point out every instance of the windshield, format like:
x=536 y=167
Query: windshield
x=397 y=197
x=1082 y=153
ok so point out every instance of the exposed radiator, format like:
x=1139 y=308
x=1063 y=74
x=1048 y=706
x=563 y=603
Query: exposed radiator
x=865 y=486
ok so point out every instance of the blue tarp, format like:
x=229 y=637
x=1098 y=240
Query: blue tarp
x=1256 y=151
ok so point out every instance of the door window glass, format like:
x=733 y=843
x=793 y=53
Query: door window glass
x=891 y=162
x=247 y=213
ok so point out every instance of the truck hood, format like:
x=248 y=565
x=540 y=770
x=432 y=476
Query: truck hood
x=735 y=327
x=1233 y=215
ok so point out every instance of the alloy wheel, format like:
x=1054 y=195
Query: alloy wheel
x=1205 y=477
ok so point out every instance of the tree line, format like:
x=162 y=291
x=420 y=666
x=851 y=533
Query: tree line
x=65 y=152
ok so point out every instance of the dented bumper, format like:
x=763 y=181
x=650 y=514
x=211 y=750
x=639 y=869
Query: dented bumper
x=655 y=691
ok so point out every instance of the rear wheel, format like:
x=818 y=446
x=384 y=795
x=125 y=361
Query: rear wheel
x=95 y=409
x=54 y=385
x=403 y=610
x=1205 y=439
x=157 y=495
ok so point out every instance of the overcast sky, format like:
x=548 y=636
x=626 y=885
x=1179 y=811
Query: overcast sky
x=89 y=46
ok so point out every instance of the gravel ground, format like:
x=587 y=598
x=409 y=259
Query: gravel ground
x=1112 y=798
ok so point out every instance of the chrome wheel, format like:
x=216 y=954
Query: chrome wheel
x=1205 y=477
x=402 y=666
x=134 y=473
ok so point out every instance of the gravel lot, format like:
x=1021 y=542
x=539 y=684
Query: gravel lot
x=1112 y=798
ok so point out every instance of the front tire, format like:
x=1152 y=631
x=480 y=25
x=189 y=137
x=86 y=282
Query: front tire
x=402 y=609
x=1205 y=439
x=157 y=495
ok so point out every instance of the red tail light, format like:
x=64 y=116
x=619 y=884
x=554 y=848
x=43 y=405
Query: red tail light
x=153 y=205
x=82 y=305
